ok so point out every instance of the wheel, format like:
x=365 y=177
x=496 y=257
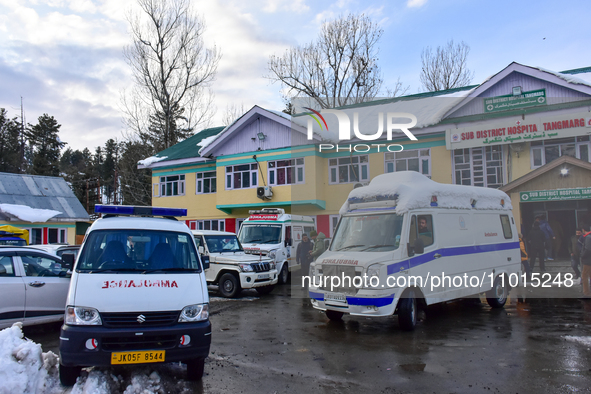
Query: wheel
x=407 y=311
x=334 y=315
x=284 y=274
x=229 y=285
x=195 y=369
x=68 y=375
x=265 y=289
x=497 y=296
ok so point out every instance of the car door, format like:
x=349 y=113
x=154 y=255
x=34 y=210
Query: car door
x=46 y=286
x=12 y=291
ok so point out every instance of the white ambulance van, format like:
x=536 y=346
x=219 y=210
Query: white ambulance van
x=231 y=268
x=405 y=241
x=137 y=294
x=271 y=232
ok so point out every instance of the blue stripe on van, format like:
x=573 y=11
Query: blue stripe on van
x=449 y=252
x=317 y=296
x=379 y=302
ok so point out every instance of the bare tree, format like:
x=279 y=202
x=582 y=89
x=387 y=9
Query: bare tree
x=172 y=70
x=233 y=112
x=339 y=68
x=446 y=67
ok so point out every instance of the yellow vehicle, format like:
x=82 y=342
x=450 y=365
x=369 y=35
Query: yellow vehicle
x=13 y=236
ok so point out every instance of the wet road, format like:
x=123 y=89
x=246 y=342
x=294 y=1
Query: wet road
x=277 y=344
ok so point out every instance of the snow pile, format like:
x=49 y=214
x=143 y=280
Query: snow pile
x=415 y=190
x=566 y=77
x=582 y=340
x=24 y=368
x=27 y=213
x=151 y=160
x=207 y=141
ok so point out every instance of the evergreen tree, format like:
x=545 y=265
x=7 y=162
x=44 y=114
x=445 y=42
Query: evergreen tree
x=10 y=145
x=109 y=170
x=44 y=140
x=135 y=184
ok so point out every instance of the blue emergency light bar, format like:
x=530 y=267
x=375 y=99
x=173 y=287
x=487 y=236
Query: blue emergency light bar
x=139 y=211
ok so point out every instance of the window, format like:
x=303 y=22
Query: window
x=6 y=266
x=206 y=182
x=421 y=227
x=215 y=224
x=57 y=236
x=173 y=185
x=506 y=227
x=348 y=169
x=241 y=177
x=36 y=265
x=36 y=236
x=479 y=166
x=286 y=172
x=334 y=221
x=418 y=160
x=543 y=152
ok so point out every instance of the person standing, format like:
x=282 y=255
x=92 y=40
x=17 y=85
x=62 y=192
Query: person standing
x=303 y=257
x=536 y=241
x=524 y=258
x=550 y=237
x=575 y=253
x=318 y=244
x=586 y=262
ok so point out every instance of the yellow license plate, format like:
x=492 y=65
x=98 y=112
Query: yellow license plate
x=152 y=356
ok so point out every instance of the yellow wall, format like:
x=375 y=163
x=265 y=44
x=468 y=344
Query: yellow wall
x=71 y=228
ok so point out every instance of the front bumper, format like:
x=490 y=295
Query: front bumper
x=250 y=280
x=362 y=304
x=73 y=350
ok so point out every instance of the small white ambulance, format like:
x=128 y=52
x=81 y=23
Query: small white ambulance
x=231 y=268
x=137 y=294
x=271 y=232
x=405 y=241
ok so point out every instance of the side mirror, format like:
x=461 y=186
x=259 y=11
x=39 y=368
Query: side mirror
x=288 y=242
x=419 y=246
x=205 y=261
x=201 y=249
x=410 y=250
x=68 y=260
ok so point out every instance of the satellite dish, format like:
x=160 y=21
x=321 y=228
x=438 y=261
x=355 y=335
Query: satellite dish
x=357 y=185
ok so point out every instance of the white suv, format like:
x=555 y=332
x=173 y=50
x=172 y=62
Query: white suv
x=231 y=268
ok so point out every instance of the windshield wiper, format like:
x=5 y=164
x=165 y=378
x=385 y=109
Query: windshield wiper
x=252 y=240
x=172 y=269
x=114 y=270
x=271 y=241
x=377 y=246
x=349 y=247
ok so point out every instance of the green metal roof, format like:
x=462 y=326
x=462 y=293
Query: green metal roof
x=188 y=148
x=577 y=70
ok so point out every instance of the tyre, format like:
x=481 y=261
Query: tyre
x=229 y=285
x=334 y=315
x=68 y=375
x=497 y=296
x=195 y=369
x=284 y=274
x=407 y=311
x=265 y=289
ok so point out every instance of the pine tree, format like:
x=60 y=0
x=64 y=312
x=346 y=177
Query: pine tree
x=43 y=138
x=10 y=146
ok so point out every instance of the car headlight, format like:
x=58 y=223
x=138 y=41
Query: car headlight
x=272 y=254
x=193 y=313
x=82 y=316
x=374 y=270
x=246 y=268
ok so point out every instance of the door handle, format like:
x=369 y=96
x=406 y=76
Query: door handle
x=36 y=284
x=437 y=255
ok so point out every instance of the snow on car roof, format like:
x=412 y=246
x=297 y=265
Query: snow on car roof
x=211 y=232
x=412 y=190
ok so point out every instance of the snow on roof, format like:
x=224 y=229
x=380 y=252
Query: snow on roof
x=413 y=191
x=28 y=214
x=151 y=160
x=428 y=111
x=567 y=77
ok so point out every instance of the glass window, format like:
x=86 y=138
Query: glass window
x=418 y=160
x=241 y=176
x=6 y=266
x=283 y=172
x=172 y=185
x=543 y=152
x=349 y=169
x=368 y=233
x=36 y=265
x=206 y=182
x=506 y=227
x=481 y=166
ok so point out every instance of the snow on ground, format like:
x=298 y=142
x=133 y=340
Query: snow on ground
x=582 y=340
x=24 y=368
x=28 y=214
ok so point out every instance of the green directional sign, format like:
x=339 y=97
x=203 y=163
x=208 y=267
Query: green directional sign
x=509 y=102
x=556 y=195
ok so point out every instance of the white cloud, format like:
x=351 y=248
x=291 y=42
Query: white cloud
x=297 y=6
x=415 y=3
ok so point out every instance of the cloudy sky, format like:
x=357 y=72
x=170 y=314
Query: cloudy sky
x=65 y=57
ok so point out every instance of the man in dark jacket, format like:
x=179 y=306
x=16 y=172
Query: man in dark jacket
x=318 y=244
x=536 y=241
x=548 y=233
x=303 y=257
x=586 y=262
x=575 y=253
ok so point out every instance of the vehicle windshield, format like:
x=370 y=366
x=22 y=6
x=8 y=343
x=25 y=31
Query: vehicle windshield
x=222 y=243
x=122 y=250
x=260 y=234
x=368 y=233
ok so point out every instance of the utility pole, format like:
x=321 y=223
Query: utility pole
x=22 y=164
x=87 y=202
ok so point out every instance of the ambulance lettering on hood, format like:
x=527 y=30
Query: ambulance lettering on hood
x=113 y=284
x=340 y=261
